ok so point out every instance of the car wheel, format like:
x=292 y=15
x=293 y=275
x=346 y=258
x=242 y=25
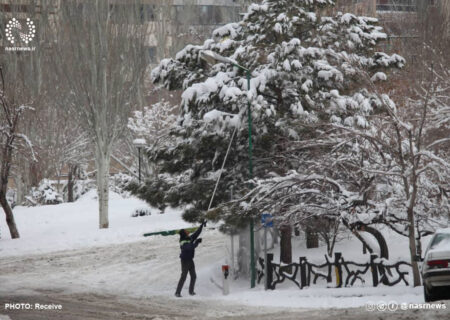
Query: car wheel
x=429 y=296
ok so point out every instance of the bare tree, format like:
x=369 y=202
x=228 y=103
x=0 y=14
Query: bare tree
x=29 y=70
x=408 y=156
x=11 y=113
x=101 y=57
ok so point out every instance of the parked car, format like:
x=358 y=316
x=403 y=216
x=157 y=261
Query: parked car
x=436 y=266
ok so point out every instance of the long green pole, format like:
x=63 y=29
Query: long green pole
x=250 y=168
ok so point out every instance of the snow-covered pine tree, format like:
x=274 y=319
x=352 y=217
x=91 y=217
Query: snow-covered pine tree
x=153 y=123
x=306 y=69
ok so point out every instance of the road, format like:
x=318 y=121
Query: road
x=136 y=281
x=101 y=307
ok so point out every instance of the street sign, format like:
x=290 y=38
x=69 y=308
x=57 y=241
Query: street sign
x=267 y=220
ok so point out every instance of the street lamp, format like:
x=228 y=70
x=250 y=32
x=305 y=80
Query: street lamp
x=212 y=57
x=139 y=143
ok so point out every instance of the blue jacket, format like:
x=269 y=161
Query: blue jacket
x=189 y=243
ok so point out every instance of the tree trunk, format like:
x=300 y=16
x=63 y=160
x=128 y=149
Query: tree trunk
x=412 y=229
x=412 y=247
x=103 y=163
x=34 y=174
x=9 y=216
x=4 y=178
x=18 y=181
x=70 y=186
x=286 y=245
x=312 y=239
x=384 y=249
x=70 y=182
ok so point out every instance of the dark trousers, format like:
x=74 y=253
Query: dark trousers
x=187 y=266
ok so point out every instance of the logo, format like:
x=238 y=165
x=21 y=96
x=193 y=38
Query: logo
x=382 y=306
x=370 y=306
x=392 y=306
x=16 y=34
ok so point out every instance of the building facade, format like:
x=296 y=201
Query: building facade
x=171 y=23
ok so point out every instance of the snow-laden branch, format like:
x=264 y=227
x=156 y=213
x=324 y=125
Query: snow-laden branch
x=444 y=163
x=436 y=142
x=29 y=144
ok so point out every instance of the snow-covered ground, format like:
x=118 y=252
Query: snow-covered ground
x=75 y=225
x=62 y=249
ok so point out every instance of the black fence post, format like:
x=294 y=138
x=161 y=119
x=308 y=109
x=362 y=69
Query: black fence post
x=308 y=268
x=374 y=269
x=302 y=272
x=383 y=279
x=338 y=268
x=269 y=275
x=329 y=276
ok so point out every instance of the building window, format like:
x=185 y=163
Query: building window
x=15 y=8
x=202 y=14
x=123 y=13
x=210 y=15
x=396 y=5
x=205 y=15
x=181 y=15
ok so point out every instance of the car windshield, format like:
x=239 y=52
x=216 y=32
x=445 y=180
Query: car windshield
x=441 y=240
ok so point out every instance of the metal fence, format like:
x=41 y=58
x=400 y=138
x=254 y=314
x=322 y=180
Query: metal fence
x=345 y=273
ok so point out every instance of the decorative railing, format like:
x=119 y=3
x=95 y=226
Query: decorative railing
x=345 y=273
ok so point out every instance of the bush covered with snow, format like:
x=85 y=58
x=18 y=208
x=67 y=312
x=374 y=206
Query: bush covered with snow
x=140 y=212
x=45 y=193
x=119 y=183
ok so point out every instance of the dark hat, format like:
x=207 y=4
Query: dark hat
x=183 y=235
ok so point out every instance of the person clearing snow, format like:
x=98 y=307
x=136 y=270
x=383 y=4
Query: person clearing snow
x=188 y=245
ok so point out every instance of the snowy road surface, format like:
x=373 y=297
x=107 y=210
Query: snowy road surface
x=99 y=307
x=136 y=280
